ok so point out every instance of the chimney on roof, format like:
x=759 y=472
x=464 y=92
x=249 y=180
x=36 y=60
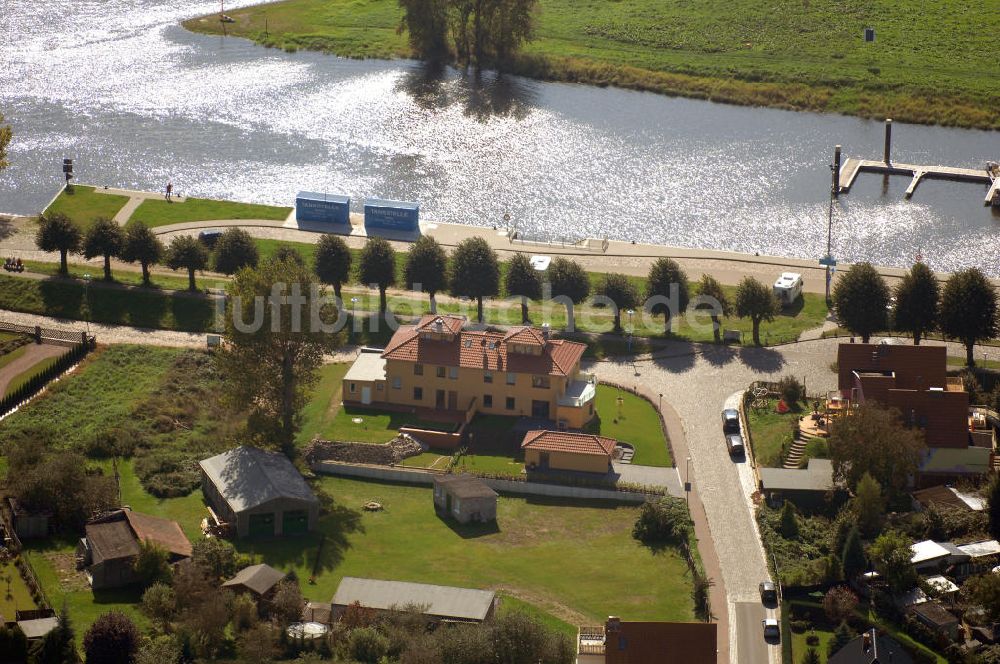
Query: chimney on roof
x=613 y=626
x=545 y=331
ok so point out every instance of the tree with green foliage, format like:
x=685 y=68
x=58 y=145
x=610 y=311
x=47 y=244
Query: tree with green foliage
x=216 y=557
x=426 y=22
x=104 y=238
x=757 y=302
x=270 y=361
x=969 y=310
x=377 y=267
x=152 y=564
x=713 y=296
x=993 y=506
x=243 y=613
x=668 y=284
x=287 y=604
x=570 y=286
x=871 y=439
x=426 y=268
x=57 y=232
x=13 y=642
x=868 y=506
x=159 y=650
x=841 y=637
x=792 y=391
x=916 y=308
x=475 y=272
x=367 y=645
x=488 y=34
x=891 y=556
x=112 y=639
x=853 y=556
x=663 y=522
x=332 y=262
x=159 y=604
x=59 y=645
x=622 y=293
x=186 y=252
x=286 y=252
x=140 y=245
x=522 y=280
x=258 y=644
x=235 y=249
x=6 y=136
x=811 y=656
x=789 y=521
x=861 y=300
x=519 y=638
x=984 y=590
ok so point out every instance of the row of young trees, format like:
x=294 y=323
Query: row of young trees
x=964 y=309
x=481 y=32
x=137 y=243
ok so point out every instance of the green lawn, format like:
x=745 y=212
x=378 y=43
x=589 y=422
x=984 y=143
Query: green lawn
x=84 y=204
x=137 y=307
x=636 y=422
x=553 y=555
x=20 y=379
x=128 y=277
x=155 y=212
x=324 y=402
x=14 y=594
x=981 y=363
x=931 y=62
x=770 y=432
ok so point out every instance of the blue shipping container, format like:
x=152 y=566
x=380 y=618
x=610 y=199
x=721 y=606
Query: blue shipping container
x=328 y=208
x=392 y=215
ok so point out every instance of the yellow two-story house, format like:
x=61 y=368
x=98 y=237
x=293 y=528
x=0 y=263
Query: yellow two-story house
x=437 y=364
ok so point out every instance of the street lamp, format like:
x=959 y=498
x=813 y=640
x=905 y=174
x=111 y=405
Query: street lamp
x=86 y=299
x=660 y=405
x=687 y=480
x=630 y=312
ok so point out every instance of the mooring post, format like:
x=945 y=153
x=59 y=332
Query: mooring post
x=888 y=141
x=836 y=171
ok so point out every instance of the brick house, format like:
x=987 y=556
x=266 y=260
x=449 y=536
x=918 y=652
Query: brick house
x=439 y=365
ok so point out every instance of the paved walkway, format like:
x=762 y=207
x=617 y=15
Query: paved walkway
x=668 y=478
x=33 y=354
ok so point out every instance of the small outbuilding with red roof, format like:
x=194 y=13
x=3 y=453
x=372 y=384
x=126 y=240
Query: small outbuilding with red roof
x=563 y=450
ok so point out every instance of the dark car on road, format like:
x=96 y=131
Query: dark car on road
x=730 y=420
x=734 y=443
x=768 y=592
x=210 y=237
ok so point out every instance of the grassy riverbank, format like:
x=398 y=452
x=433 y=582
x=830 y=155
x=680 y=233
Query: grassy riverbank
x=931 y=63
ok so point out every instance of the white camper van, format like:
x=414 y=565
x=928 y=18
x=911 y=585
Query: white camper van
x=788 y=288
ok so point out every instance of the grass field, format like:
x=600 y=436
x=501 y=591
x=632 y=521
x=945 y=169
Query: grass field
x=84 y=204
x=552 y=555
x=155 y=212
x=930 y=63
x=127 y=277
x=140 y=308
x=14 y=594
x=637 y=423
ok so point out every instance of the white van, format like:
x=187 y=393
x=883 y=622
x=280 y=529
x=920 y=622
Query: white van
x=788 y=288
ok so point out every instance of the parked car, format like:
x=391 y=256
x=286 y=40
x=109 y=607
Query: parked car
x=768 y=592
x=731 y=420
x=734 y=443
x=210 y=237
x=771 y=629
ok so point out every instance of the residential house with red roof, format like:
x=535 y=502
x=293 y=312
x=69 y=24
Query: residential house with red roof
x=439 y=365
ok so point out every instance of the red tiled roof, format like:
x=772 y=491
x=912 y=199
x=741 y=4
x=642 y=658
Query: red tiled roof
x=452 y=323
x=656 y=642
x=475 y=349
x=525 y=335
x=562 y=441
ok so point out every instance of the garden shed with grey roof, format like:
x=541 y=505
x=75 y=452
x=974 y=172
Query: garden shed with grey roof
x=259 y=493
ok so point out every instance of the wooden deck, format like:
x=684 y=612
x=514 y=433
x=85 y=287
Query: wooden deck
x=853 y=166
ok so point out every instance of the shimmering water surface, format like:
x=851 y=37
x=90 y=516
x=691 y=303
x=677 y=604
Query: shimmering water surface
x=136 y=100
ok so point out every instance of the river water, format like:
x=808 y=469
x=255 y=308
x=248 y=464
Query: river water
x=137 y=100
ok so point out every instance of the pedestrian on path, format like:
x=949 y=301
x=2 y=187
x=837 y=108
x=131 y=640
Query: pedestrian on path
x=170 y=189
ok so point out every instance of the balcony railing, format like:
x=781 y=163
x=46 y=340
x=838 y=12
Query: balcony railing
x=580 y=392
